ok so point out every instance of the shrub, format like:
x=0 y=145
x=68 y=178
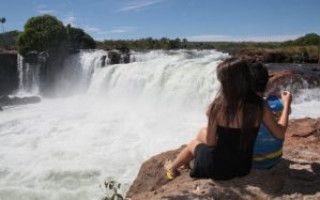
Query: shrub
x=78 y=39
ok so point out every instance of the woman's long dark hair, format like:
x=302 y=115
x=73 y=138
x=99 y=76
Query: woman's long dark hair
x=235 y=95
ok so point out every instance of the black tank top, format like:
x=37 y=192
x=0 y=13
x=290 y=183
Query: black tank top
x=229 y=160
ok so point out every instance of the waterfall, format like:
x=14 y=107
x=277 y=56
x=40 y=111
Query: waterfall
x=162 y=76
x=180 y=77
x=78 y=70
x=29 y=77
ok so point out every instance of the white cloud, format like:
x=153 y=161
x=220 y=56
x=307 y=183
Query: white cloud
x=138 y=4
x=89 y=28
x=198 y=38
x=46 y=11
x=122 y=29
x=228 y=38
x=117 y=30
x=69 y=19
x=42 y=9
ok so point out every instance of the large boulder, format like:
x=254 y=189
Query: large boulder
x=297 y=176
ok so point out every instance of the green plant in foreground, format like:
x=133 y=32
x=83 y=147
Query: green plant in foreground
x=112 y=188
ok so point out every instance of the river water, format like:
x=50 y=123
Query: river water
x=114 y=118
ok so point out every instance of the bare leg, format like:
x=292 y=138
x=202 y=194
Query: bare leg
x=187 y=154
x=184 y=157
x=202 y=137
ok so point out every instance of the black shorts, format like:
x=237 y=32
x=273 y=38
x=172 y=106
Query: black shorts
x=203 y=161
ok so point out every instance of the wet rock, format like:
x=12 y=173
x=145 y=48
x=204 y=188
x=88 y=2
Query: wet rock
x=119 y=56
x=103 y=60
x=292 y=77
x=114 y=57
x=297 y=176
x=11 y=101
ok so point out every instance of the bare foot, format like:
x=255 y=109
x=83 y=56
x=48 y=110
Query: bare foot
x=170 y=174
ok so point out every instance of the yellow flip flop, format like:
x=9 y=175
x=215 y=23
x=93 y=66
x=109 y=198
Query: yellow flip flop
x=170 y=176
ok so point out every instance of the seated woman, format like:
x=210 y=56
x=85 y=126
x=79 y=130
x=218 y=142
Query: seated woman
x=224 y=150
x=267 y=151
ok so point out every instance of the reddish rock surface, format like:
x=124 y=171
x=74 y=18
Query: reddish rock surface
x=293 y=79
x=296 y=177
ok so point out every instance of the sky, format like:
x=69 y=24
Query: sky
x=195 y=20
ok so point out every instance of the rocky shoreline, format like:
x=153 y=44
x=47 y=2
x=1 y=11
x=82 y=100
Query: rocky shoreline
x=296 y=177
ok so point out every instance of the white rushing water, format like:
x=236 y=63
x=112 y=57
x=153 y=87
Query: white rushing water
x=118 y=116
x=28 y=77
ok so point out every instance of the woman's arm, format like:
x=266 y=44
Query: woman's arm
x=278 y=129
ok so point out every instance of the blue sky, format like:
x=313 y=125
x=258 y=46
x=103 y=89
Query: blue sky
x=196 y=20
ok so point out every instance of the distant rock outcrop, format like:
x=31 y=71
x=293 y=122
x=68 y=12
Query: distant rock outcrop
x=275 y=55
x=118 y=56
x=297 y=176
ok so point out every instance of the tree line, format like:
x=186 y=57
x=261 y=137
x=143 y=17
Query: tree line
x=46 y=33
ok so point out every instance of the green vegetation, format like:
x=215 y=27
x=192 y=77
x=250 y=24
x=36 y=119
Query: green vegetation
x=78 y=39
x=8 y=40
x=47 y=34
x=144 y=44
x=303 y=49
x=311 y=39
x=42 y=34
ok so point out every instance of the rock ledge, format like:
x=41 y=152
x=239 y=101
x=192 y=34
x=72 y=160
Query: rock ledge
x=296 y=177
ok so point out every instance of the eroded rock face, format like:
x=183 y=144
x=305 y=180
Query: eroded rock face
x=292 y=77
x=297 y=176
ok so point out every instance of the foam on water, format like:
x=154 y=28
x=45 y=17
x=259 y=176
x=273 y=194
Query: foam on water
x=119 y=116
x=306 y=103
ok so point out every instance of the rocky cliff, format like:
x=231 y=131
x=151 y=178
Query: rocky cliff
x=8 y=72
x=296 y=177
